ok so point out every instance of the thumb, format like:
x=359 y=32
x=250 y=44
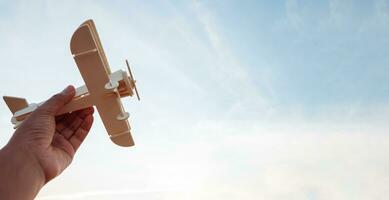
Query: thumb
x=56 y=102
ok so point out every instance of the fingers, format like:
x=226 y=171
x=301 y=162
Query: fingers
x=78 y=137
x=70 y=122
x=75 y=123
x=56 y=102
x=64 y=120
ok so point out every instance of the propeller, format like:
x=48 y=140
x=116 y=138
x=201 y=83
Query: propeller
x=132 y=79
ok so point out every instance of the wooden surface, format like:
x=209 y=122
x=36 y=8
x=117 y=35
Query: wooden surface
x=15 y=103
x=95 y=72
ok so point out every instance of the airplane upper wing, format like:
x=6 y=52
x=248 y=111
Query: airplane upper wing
x=90 y=58
x=98 y=42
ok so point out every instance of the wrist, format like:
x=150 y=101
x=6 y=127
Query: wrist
x=21 y=175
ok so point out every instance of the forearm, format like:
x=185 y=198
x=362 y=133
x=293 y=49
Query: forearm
x=20 y=175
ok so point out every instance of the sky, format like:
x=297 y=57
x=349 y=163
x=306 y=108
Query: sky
x=239 y=99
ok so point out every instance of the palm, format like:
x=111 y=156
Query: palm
x=57 y=152
x=42 y=147
x=53 y=141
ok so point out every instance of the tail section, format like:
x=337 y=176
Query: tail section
x=15 y=103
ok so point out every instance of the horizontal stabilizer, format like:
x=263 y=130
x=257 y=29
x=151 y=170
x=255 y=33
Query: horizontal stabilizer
x=15 y=103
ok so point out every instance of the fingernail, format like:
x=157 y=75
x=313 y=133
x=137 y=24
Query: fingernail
x=67 y=90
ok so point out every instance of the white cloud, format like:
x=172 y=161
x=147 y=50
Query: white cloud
x=272 y=163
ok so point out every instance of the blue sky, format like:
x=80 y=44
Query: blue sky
x=240 y=100
x=334 y=50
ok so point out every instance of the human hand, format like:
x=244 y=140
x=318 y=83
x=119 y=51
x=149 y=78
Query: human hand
x=46 y=143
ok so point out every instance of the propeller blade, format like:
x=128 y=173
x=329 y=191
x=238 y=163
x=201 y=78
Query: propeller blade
x=133 y=80
x=137 y=94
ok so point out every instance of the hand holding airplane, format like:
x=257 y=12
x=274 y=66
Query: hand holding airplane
x=102 y=88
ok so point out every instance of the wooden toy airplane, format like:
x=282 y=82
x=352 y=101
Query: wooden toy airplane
x=102 y=88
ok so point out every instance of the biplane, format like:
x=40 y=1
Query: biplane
x=103 y=88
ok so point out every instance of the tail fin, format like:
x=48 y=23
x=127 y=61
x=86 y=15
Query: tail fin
x=15 y=103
